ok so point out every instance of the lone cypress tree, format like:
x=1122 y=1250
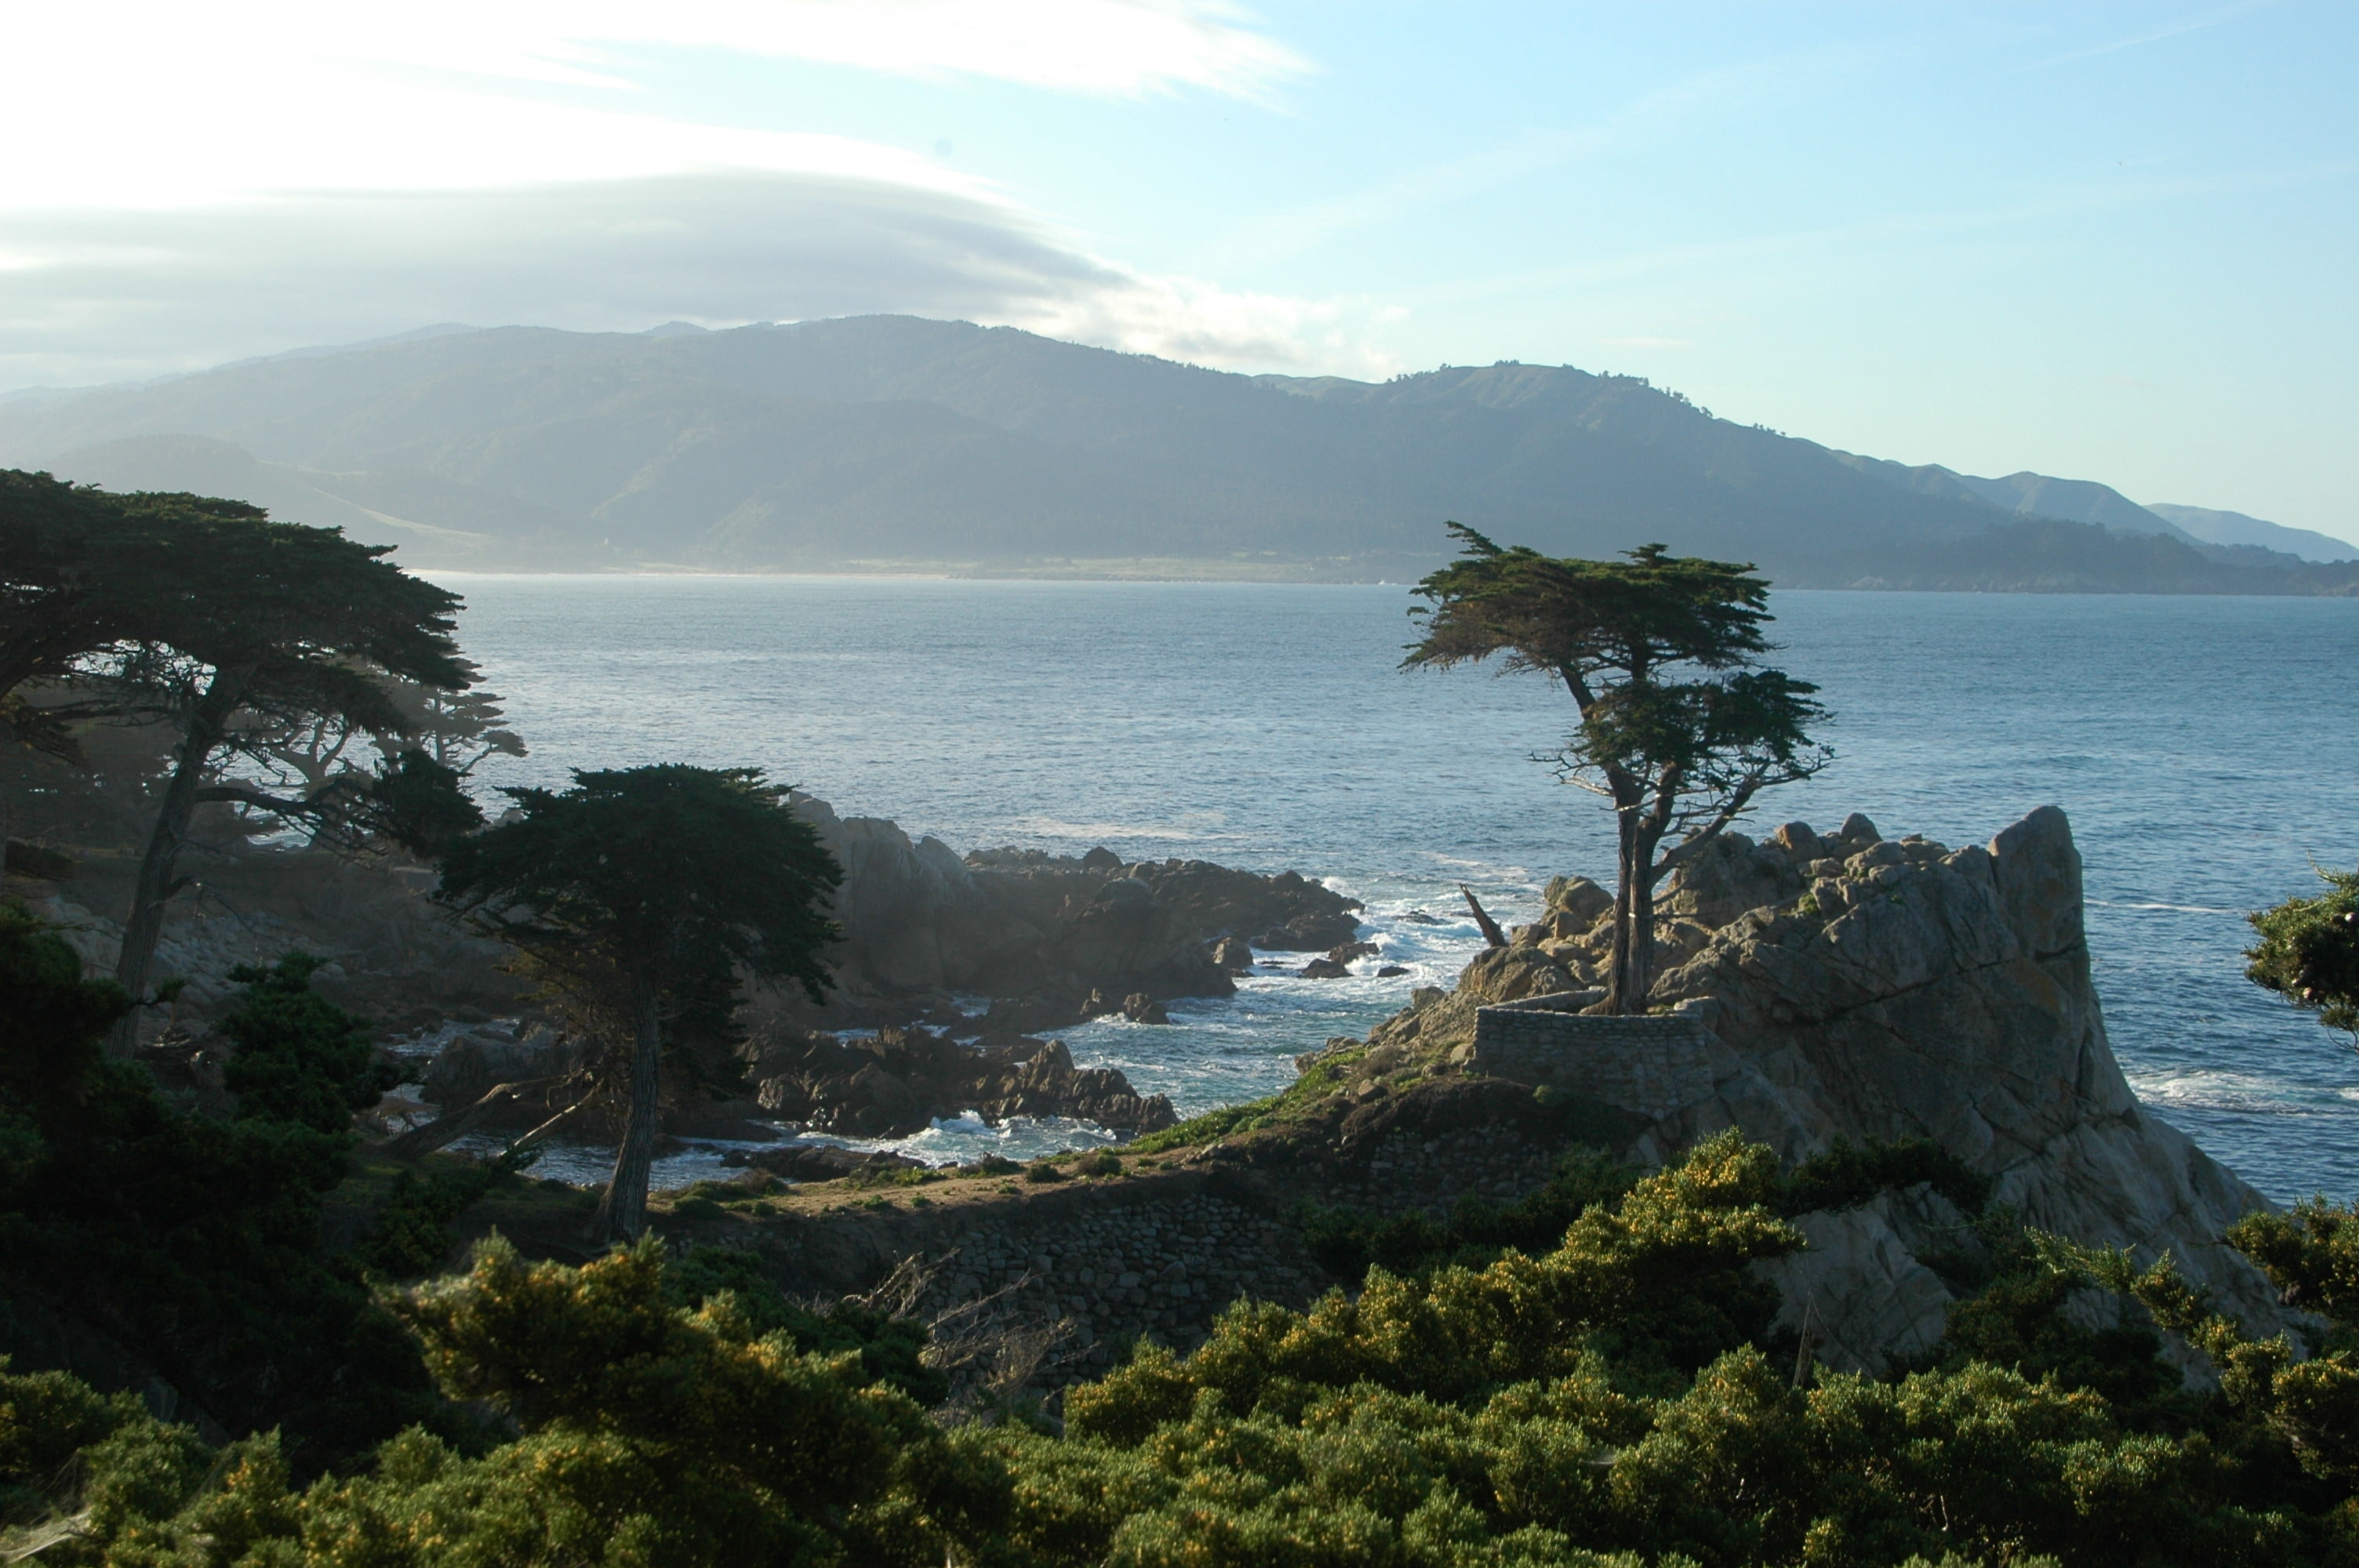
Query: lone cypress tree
x=1680 y=726
x=642 y=893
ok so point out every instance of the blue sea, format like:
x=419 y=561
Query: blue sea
x=2207 y=750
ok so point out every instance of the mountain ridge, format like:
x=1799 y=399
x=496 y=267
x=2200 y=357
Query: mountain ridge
x=878 y=441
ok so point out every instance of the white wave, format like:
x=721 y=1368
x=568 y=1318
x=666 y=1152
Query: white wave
x=2206 y=1090
x=2165 y=908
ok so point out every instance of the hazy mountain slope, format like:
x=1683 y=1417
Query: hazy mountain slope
x=2026 y=494
x=372 y=513
x=880 y=439
x=2236 y=528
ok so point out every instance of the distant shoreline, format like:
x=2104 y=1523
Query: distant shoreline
x=1184 y=572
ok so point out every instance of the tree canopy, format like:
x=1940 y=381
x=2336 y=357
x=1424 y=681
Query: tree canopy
x=205 y=614
x=2309 y=951
x=642 y=894
x=1680 y=726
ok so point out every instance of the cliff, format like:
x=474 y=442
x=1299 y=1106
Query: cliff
x=1858 y=988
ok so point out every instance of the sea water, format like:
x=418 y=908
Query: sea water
x=2206 y=749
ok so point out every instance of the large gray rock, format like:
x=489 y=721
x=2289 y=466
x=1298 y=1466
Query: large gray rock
x=1858 y=986
x=1926 y=993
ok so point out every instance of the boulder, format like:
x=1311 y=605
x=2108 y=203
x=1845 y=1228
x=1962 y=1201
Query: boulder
x=1309 y=933
x=1140 y=1007
x=1325 y=969
x=818 y=1161
x=1581 y=900
x=1234 y=954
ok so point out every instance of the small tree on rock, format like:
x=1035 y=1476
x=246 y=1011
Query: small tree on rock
x=642 y=893
x=1681 y=726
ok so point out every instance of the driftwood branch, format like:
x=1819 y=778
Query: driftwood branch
x=449 y=1128
x=1491 y=931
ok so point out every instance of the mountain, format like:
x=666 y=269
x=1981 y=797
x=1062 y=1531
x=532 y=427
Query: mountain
x=897 y=443
x=2234 y=528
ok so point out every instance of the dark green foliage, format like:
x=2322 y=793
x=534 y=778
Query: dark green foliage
x=411 y=1236
x=2309 y=951
x=889 y=1348
x=2311 y=1255
x=189 y=1243
x=1347 y=1242
x=2019 y=1320
x=685 y=872
x=55 y=1021
x=299 y=1057
x=419 y=802
x=1847 y=1176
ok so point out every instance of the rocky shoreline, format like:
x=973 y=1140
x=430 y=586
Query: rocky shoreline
x=1816 y=990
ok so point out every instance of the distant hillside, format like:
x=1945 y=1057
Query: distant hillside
x=2236 y=529
x=895 y=443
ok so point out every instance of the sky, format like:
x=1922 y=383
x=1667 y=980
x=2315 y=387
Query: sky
x=2104 y=241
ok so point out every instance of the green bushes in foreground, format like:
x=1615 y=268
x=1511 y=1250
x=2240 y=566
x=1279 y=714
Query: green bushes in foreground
x=1607 y=1402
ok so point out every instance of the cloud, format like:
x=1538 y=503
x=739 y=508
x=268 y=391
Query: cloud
x=91 y=295
x=203 y=183
x=2172 y=30
x=1683 y=107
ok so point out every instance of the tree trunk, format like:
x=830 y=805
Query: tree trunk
x=1631 y=978
x=156 y=885
x=623 y=1212
x=1618 y=977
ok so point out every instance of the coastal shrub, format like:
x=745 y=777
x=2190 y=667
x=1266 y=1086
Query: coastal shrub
x=2021 y=1319
x=295 y=1057
x=1211 y=1125
x=1560 y=1410
x=1347 y=1242
x=184 y=1247
x=411 y=1235
x=1848 y=1174
x=891 y=1349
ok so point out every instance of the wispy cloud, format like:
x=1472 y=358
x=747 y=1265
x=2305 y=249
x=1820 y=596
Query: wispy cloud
x=2172 y=30
x=1681 y=107
x=200 y=182
x=2034 y=214
x=92 y=296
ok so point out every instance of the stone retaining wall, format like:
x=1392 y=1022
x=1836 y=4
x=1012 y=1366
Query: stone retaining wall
x=1649 y=1066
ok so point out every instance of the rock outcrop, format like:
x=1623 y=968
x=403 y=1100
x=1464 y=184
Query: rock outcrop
x=1043 y=933
x=901 y=1081
x=1859 y=988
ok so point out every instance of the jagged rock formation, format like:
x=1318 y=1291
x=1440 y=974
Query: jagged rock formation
x=1046 y=932
x=899 y=1081
x=1856 y=988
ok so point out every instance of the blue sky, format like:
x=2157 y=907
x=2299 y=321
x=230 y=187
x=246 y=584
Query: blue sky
x=2104 y=241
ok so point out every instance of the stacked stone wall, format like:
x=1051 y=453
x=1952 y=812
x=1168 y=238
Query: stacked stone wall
x=1650 y=1066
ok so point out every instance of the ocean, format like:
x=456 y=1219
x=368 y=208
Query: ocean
x=2206 y=749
